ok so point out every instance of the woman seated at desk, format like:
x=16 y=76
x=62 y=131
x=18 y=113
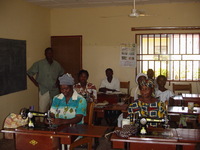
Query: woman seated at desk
x=109 y=84
x=84 y=88
x=68 y=107
x=147 y=105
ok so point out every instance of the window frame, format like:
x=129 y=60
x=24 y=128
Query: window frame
x=139 y=61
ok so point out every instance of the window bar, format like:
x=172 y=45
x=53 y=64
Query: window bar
x=186 y=63
x=192 y=70
x=172 y=51
x=167 y=52
x=199 y=42
x=199 y=61
x=167 y=69
x=186 y=66
x=181 y=57
x=193 y=35
x=160 y=66
x=172 y=43
x=186 y=37
x=154 y=43
x=160 y=43
x=148 y=44
x=160 y=52
x=142 y=53
x=154 y=68
x=172 y=62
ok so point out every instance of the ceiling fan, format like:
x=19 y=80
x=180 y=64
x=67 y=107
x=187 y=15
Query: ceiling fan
x=136 y=13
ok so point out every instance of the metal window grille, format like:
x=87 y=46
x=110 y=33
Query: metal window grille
x=177 y=56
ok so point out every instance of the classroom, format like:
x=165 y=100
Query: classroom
x=101 y=41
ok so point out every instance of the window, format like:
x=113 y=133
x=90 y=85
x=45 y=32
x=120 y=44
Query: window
x=176 y=56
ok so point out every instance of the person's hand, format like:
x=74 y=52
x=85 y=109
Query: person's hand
x=49 y=118
x=103 y=90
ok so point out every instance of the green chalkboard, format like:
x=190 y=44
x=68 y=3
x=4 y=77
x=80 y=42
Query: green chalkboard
x=12 y=66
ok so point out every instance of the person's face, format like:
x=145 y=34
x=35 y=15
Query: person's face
x=141 y=78
x=161 y=82
x=150 y=74
x=49 y=55
x=67 y=90
x=83 y=78
x=145 y=91
x=109 y=74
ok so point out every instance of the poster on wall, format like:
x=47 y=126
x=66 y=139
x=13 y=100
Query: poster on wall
x=128 y=55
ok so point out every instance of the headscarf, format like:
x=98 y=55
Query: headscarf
x=148 y=83
x=139 y=75
x=66 y=79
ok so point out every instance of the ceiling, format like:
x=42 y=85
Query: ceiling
x=98 y=3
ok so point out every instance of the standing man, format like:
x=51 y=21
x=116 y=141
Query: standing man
x=110 y=83
x=47 y=72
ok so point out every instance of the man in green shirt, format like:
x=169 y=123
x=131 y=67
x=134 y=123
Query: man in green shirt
x=44 y=74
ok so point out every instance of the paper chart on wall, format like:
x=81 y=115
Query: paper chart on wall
x=128 y=55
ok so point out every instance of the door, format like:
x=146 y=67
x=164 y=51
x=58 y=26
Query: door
x=68 y=52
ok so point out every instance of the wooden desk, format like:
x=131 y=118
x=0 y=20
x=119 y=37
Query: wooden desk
x=48 y=139
x=82 y=130
x=164 y=139
x=183 y=99
x=183 y=110
x=34 y=138
x=178 y=100
x=110 y=112
x=191 y=98
x=99 y=110
x=110 y=98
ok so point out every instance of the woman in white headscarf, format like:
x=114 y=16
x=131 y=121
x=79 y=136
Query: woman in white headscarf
x=139 y=78
x=134 y=93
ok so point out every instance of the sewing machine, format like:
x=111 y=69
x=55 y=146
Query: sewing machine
x=31 y=115
x=143 y=122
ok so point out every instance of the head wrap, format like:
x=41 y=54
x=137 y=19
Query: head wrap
x=139 y=75
x=66 y=79
x=148 y=83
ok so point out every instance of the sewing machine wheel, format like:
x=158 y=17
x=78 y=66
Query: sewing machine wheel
x=24 y=112
x=143 y=121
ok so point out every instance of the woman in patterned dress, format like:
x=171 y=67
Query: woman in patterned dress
x=84 y=88
x=147 y=105
x=68 y=107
